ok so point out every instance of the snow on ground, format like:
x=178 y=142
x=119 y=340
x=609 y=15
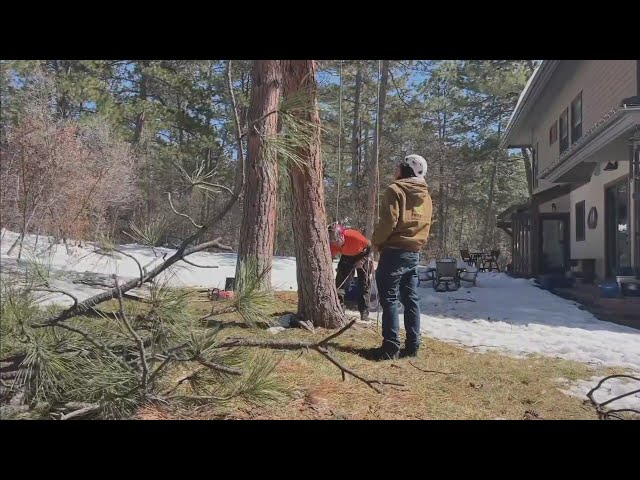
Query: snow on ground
x=500 y=313
x=610 y=389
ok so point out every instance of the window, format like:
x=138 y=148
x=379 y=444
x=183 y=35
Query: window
x=534 y=166
x=564 y=131
x=576 y=118
x=580 y=221
x=553 y=133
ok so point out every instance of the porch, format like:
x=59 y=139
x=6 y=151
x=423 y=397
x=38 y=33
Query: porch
x=622 y=311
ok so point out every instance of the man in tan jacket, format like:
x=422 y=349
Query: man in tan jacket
x=402 y=231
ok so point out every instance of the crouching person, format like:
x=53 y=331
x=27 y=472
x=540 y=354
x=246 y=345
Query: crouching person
x=402 y=231
x=355 y=258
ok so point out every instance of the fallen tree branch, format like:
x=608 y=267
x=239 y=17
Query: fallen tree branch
x=201 y=397
x=90 y=408
x=136 y=337
x=88 y=304
x=215 y=366
x=320 y=347
x=199 y=266
x=432 y=371
x=55 y=290
x=603 y=413
x=135 y=260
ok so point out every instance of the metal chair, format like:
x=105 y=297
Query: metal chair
x=490 y=262
x=466 y=257
x=447 y=272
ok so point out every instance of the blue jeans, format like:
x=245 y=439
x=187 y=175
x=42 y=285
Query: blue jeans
x=397 y=270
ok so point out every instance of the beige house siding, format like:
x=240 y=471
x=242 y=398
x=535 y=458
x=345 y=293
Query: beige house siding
x=593 y=246
x=563 y=204
x=604 y=84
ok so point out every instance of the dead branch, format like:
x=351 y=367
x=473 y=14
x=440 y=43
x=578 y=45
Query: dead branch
x=220 y=311
x=320 y=347
x=89 y=408
x=55 y=290
x=160 y=367
x=603 y=413
x=89 y=339
x=212 y=185
x=432 y=371
x=199 y=266
x=215 y=366
x=613 y=413
x=201 y=397
x=181 y=214
x=136 y=337
x=92 y=283
x=135 y=260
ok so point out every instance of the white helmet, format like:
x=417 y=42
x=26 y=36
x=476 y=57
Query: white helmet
x=416 y=163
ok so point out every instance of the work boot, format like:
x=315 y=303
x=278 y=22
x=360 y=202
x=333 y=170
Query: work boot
x=409 y=353
x=364 y=316
x=381 y=354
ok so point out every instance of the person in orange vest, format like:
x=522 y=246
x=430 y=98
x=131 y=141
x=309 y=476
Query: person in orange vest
x=355 y=258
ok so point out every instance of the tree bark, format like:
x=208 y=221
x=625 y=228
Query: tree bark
x=317 y=296
x=355 y=133
x=488 y=221
x=257 y=233
x=138 y=134
x=372 y=203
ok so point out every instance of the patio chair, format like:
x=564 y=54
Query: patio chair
x=466 y=257
x=425 y=274
x=490 y=262
x=447 y=272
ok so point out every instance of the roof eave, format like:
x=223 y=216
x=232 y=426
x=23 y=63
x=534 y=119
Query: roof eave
x=529 y=94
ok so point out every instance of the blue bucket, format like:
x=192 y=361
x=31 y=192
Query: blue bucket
x=609 y=290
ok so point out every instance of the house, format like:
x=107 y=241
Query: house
x=580 y=121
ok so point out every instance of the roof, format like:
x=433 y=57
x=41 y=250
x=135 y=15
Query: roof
x=531 y=92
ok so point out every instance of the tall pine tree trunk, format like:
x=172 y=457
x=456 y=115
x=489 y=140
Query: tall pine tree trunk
x=138 y=139
x=372 y=203
x=257 y=233
x=317 y=296
x=488 y=223
x=355 y=132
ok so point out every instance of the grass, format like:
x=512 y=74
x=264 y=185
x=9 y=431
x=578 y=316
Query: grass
x=444 y=382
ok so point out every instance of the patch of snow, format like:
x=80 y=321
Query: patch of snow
x=275 y=330
x=610 y=389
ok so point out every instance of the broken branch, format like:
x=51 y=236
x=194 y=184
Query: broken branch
x=181 y=214
x=136 y=337
x=320 y=347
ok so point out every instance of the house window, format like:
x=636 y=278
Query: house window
x=580 y=221
x=553 y=133
x=534 y=165
x=576 y=118
x=564 y=131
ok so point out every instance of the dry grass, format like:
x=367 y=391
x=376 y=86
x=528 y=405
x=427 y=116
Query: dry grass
x=444 y=382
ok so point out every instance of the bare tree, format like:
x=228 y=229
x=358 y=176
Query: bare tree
x=374 y=171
